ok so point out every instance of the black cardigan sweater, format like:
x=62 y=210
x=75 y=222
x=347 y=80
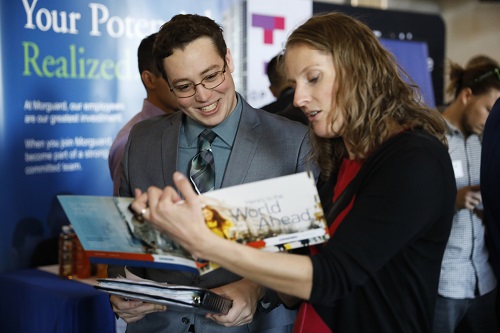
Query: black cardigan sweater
x=380 y=270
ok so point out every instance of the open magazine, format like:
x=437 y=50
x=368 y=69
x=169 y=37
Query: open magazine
x=277 y=214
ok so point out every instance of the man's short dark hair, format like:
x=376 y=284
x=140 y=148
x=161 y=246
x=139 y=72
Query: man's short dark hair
x=274 y=72
x=145 y=58
x=181 y=30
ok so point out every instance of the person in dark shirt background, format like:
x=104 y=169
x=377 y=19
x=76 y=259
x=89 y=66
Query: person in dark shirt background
x=281 y=89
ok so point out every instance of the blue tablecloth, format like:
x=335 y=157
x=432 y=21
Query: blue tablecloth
x=36 y=301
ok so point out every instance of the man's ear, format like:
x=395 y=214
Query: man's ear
x=149 y=79
x=229 y=61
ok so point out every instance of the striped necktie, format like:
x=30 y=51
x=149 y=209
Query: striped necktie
x=201 y=170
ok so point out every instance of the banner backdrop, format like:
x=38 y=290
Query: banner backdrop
x=69 y=82
x=268 y=25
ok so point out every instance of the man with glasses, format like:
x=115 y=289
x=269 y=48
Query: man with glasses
x=467 y=284
x=218 y=140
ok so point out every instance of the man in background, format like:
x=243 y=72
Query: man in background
x=159 y=101
x=283 y=105
x=467 y=285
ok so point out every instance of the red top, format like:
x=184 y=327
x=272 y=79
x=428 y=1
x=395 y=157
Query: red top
x=347 y=172
x=308 y=319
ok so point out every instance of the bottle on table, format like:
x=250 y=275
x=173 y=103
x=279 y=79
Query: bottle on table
x=66 y=238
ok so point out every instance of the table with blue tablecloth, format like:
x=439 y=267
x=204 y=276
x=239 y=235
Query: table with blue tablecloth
x=34 y=300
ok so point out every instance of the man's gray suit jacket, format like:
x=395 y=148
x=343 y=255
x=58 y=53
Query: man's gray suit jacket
x=265 y=146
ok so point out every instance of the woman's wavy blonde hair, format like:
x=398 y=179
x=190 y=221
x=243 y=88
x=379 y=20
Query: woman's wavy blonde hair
x=371 y=93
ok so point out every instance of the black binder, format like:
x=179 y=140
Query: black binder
x=175 y=297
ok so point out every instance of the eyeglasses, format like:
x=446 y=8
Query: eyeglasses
x=211 y=81
x=480 y=78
